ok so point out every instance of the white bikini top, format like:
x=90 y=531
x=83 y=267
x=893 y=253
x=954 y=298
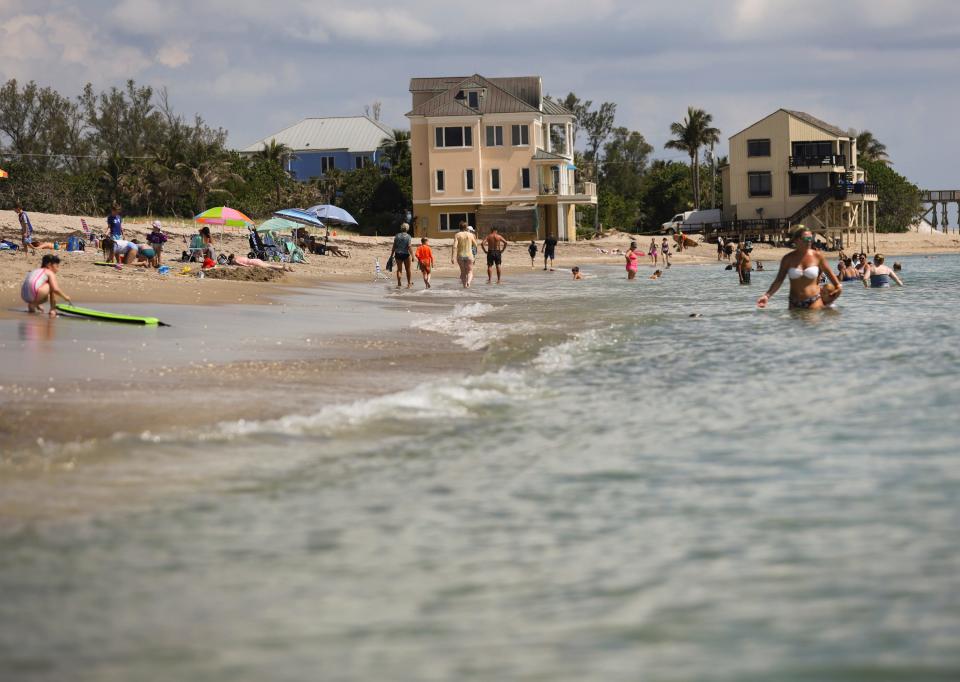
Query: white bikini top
x=811 y=272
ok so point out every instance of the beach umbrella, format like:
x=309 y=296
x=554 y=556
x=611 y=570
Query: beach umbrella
x=278 y=224
x=332 y=214
x=299 y=216
x=223 y=215
x=4 y=174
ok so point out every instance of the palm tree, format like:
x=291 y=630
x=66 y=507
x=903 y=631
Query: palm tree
x=275 y=151
x=872 y=149
x=694 y=132
x=396 y=148
x=206 y=178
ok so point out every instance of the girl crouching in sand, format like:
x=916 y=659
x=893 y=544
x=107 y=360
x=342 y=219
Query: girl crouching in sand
x=41 y=285
x=803 y=267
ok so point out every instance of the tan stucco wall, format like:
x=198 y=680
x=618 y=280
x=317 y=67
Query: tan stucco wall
x=782 y=129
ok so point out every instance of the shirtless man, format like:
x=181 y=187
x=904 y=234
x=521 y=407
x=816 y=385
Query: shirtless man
x=743 y=263
x=494 y=246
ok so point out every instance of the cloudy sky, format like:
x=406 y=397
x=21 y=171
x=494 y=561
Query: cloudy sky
x=255 y=66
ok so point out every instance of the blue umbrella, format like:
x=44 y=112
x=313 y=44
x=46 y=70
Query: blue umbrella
x=298 y=215
x=332 y=214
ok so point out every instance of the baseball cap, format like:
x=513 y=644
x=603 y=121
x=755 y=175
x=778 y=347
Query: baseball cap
x=470 y=228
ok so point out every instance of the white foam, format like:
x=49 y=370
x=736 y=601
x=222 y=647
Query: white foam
x=461 y=324
x=565 y=355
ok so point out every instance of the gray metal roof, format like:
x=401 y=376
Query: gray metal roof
x=814 y=121
x=350 y=133
x=553 y=107
x=544 y=155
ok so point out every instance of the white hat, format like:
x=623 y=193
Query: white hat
x=470 y=227
x=156 y=224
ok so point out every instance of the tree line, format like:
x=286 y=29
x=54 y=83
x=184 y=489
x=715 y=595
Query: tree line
x=128 y=147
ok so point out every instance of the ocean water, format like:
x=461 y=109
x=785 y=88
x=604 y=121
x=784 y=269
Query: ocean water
x=617 y=491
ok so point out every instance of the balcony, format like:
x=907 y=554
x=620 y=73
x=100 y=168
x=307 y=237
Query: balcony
x=867 y=190
x=580 y=192
x=828 y=161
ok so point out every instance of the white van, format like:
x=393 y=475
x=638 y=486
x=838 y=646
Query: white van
x=692 y=221
x=675 y=222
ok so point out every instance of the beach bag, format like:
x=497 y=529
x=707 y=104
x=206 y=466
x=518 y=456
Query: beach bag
x=73 y=244
x=390 y=264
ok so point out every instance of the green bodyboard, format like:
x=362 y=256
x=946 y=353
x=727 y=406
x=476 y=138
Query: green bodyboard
x=107 y=317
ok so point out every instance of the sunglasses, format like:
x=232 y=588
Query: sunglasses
x=808 y=239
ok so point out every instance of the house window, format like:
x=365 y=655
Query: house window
x=494 y=136
x=450 y=222
x=453 y=136
x=761 y=184
x=326 y=164
x=520 y=135
x=359 y=161
x=758 y=147
x=525 y=178
x=812 y=150
x=495 y=179
x=441 y=181
x=468 y=180
x=473 y=99
x=809 y=183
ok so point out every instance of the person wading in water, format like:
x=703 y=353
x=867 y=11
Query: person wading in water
x=494 y=246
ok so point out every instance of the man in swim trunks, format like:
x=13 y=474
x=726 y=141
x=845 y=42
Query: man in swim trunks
x=462 y=253
x=26 y=231
x=494 y=246
x=401 y=253
x=743 y=263
x=549 y=250
x=41 y=285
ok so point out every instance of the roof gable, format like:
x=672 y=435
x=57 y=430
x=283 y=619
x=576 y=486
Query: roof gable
x=503 y=95
x=350 y=133
x=802 y=116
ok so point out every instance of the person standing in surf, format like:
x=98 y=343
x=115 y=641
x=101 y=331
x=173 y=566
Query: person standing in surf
x=802 y=267
x=653 y=252
x=401 y=254
x=494 y=246
x=425 y=260
x=462 y=253
x=632 y=256
x=532 y=250
x=877 y=275
x=665 y=251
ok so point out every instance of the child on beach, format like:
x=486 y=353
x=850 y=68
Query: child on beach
x=424 y=256
x=26 y=231
x=156 y=239
x=532 y=250
x=657 y=274
x=576 y=272
x=41 y=285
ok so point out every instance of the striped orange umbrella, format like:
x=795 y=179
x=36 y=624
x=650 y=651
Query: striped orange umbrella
x=4 y=174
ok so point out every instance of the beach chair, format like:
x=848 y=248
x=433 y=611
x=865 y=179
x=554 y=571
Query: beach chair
x=272 y=251
x=293 y=252
x=196 y=249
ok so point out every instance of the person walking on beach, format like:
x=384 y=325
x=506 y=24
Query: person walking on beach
x=115 y=223
x=401 y=253
x=653 y=252
x=26 y=231
x=532 y=250
x=494 y=246
x=632 y=256
x=549 y=250
x=41 y=285
x=462 y=253
x=720 y=250
x=665 y=251
x=802 y=267
x=425 y=260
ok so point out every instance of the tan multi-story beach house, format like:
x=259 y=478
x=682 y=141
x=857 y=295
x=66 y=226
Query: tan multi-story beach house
x=496 y=153
x=793 y=168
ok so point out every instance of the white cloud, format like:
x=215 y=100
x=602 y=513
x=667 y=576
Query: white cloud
x=174 y=55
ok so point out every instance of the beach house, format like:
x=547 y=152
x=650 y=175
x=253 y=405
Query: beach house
x=322 y=144
x=494 y=152
x=792 y=168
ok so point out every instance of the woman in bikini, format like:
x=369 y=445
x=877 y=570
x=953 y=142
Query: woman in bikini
x=653 y=252
x=632 y=256
x=802 y=267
